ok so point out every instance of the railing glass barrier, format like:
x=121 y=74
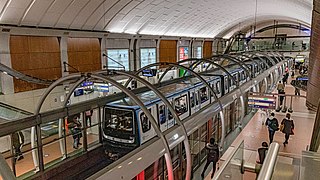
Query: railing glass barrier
x=232 y=167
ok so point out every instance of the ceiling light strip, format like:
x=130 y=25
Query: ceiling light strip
x=4 y=9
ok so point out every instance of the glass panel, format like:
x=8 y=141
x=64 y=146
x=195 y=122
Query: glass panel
x=232 y=168
x=119 y=123
x=162 y=114
x=145 y=123
x=203 y=94
x=180 y=105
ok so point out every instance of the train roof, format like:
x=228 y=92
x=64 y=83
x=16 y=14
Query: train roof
x=170 y=90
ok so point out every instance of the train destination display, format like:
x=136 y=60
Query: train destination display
x=265 y=102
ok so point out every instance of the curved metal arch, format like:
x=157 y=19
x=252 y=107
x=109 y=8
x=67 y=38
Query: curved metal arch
x=148 y=114
x=247 y=54
x=37 y=155
x=243 y=65
x=171 y=109
x=196 y=75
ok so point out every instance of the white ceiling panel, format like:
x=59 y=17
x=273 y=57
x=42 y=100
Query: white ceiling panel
x=196 y=18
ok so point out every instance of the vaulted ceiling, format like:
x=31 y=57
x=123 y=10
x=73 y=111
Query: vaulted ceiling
x=195 y=18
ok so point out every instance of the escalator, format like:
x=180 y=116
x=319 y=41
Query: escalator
x=11 y=72
x=9 y=113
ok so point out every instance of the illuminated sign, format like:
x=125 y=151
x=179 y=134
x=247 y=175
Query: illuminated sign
x=183 y=53
x=118 y=55
x=265 y=102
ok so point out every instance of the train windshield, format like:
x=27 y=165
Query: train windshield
x=119 y=124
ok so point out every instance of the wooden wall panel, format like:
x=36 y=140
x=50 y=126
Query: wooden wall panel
x=84 y=54
x=35 y=56
x=168 y=51
x=207 y=49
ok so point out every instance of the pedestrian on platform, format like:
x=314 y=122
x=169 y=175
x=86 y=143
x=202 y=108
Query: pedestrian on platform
x=262 y=152
x=88 y=115
x=281 y=97
x=75 y=128
x=280 y=87
x=273 y=126
x=212 y=156
x=287 y=127
x=17 y=142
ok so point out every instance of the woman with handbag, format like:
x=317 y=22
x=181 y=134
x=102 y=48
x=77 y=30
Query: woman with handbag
x=287 y=127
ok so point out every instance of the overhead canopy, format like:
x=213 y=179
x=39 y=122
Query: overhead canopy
x=194 y=18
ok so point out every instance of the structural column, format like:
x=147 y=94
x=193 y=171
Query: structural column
x=6 y=81
x=313 y=94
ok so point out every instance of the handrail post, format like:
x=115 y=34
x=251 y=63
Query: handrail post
x=267 y=168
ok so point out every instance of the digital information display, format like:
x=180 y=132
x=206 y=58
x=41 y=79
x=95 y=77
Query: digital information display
x=119 y=55
x=147 y=56
x=183 y=53
x=264 y=102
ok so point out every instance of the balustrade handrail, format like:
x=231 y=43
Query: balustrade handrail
x=269 y=163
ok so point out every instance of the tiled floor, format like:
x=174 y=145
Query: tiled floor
x=256 y=132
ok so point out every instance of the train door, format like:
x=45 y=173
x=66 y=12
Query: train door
x=203 y=96
x=218 y=88
x=162 y=116
x=181 y=105
x=226 y=85
x=171 y=121
x=146 y=130
x=194 y=100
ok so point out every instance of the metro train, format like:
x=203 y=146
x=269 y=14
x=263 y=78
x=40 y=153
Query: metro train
x=125 y=125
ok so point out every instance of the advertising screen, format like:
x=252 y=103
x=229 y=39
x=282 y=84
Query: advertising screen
x=147 y=56
x=118 y=55
x=183 y=53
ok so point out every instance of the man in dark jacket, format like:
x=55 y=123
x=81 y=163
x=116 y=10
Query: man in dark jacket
x=273 y=126
x=17 y=142
x=288 y=127
x=212 y=156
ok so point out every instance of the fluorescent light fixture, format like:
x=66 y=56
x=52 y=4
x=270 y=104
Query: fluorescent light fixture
x=139 y=158
x=175 y=136
x=4 y=72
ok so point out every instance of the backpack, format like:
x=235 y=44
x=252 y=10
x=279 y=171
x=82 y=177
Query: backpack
x=213 y=152
x=273 y=125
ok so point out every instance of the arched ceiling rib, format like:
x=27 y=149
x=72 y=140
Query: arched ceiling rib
x=195 y=18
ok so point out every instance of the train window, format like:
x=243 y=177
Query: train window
x=203 y=94
x=145 y=123
x=218 y=87
x=180 y=105
x=162 y=114
x=119 y=123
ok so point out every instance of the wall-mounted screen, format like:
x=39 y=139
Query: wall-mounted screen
x=78 y=92
x=183 y=53
x=147 y=56
x=118 y=55
x=149 y=72
x=198 y=52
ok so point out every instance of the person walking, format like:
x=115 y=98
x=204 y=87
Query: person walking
x=212 y=156
x=262 y=152
x=287 y=128
x=88 y=115
x=281 y=97
x=75 y=128
x=273 y=126
x=17 y=142
x=280 y=87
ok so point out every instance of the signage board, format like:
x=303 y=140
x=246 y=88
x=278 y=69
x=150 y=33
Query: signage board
x=264 y=102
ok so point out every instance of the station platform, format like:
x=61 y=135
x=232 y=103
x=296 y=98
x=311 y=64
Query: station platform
x=256 y=132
